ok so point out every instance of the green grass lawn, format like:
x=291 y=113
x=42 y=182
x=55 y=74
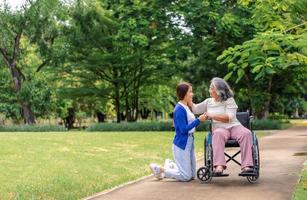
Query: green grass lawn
x=300 y=192
x=73 y=165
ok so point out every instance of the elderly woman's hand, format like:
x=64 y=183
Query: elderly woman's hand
x=209 y=116
x=202 y=117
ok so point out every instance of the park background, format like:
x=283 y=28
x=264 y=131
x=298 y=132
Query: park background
x=113 y=65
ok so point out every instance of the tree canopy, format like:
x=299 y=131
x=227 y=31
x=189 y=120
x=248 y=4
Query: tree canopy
x=123 y=59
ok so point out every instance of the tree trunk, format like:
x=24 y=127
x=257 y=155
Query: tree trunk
x=26 y=111
x=131 y=110
x=128 y=109
x=27 y=114
x=136 y=104
x=117 y=104
x=70 y=119
x=268 y=101
x=117 y=107
x=117 y=95
x=17 y=76
x=100 y=117
x=144 y=113
x=266 y=109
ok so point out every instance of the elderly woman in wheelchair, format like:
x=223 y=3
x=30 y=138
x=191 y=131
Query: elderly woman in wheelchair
x=221 y=109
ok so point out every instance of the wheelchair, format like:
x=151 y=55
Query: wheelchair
x=206 y=173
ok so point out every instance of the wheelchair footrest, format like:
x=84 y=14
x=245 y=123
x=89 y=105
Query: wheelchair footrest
x=219 y=174
x=248 y=174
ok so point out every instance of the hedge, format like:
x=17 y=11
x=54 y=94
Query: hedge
x=32 y=128
x=167 y=126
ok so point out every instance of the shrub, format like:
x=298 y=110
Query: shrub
x=267 y=124
x=131 y=126
x=277 y=116
x=203 y=126
x=167 y=126
x=32 y=128
x=139 y=126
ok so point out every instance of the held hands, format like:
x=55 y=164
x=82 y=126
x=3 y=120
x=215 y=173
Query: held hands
x=203 y=117
x=209 y=116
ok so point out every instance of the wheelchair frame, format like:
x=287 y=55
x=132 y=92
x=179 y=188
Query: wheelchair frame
x=205 y=173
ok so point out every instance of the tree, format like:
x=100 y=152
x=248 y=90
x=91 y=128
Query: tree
x=144 y=45
x=272 y=65
x=34 y=23
x=204 y=30
x=118 y=48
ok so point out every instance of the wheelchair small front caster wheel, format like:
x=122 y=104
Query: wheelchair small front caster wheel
x=204 y=174
x=252 y=179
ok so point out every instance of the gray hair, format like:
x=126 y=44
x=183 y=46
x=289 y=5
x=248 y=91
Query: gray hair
x=222 y=88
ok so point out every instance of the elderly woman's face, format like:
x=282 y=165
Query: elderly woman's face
x=213 y=93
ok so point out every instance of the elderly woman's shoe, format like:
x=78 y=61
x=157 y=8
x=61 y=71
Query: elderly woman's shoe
x=219 y=170
x=247 y=170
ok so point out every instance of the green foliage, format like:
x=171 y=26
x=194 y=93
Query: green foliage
x=120 y=57
x=214 y=26
x=61 y=106
x=32 y=128
x=305 y=106
x=268 y=54
x=277 y=116
x=8 y=100
x=27 y=36
x=273 y=64
x=119 y=50
x=277 y=15
x=157 y=97
x=268 y=124
x=203 y=127
x=38 y=94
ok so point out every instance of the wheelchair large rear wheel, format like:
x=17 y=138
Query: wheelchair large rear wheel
x=209 y=157
x=256 y=161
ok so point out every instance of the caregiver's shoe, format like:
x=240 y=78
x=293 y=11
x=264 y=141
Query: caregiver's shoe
x=156 y=170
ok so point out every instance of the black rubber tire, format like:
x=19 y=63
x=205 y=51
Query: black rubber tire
x=256 y=158
x=204 y=174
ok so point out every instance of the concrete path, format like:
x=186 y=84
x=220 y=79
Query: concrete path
x=279 y=174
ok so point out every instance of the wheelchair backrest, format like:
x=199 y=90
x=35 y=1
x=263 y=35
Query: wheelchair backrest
x=243 y=118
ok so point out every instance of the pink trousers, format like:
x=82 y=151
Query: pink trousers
x=238 y=133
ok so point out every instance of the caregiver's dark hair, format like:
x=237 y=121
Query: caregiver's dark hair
x=182 y=89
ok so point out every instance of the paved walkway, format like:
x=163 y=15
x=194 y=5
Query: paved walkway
x=279 y=173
